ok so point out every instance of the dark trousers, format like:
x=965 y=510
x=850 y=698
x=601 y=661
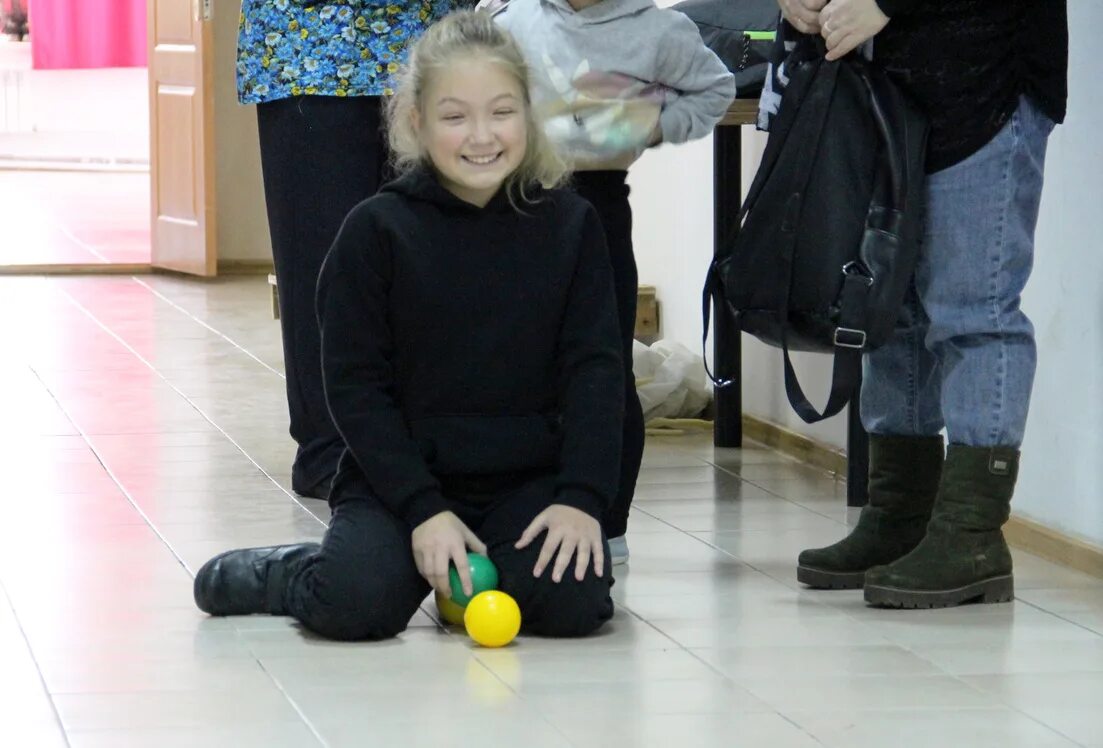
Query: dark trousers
x=608 y=191
x=363 y=583
x=321 y=155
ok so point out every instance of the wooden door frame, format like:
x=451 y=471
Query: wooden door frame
x=201 y=16
x=201 y=12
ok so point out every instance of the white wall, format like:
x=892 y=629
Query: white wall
x=1062 y=469
x=102 y=100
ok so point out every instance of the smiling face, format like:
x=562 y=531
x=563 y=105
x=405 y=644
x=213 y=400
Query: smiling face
x=472 y=127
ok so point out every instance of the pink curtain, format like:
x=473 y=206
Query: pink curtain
x=88 y=34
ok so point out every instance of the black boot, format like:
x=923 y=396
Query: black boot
x=251 y=580
x=964 y=557
x=904 y=474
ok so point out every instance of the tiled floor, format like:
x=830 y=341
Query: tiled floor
x=142 y=430
x=74 y=218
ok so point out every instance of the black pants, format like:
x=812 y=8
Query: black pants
x=321 y=155
x=363 y=583
x=607 y=191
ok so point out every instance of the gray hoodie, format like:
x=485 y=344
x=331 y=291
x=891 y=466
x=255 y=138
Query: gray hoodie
x=602 y=76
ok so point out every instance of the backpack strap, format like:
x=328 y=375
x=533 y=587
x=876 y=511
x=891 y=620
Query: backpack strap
x=847 y=368
x=850 y=342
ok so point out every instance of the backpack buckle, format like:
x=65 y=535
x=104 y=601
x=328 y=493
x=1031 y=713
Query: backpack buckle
x=856 y=269
x=848 y=337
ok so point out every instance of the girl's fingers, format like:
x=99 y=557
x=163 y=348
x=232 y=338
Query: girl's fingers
x=582 y=560
x=551 y=542
x=473 y=542
x=538 y=525
x=463 y=568
x=563 y=560
x=440 y=573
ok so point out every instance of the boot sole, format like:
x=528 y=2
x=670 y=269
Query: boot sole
x=821 y=579
x=987 y=592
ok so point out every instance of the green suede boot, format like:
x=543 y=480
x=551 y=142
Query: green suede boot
x=964 y=557
x=904 y=473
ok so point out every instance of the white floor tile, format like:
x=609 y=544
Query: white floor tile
x=1029 y=691
x=294 y=734
x=173 y=709
x=1082 y=725
x=754 y=662
x=641 y=730
x=134 y=476
x=922 y=728
x=795 y=691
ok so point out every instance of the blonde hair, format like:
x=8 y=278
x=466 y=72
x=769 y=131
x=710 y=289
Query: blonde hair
x=475 y=34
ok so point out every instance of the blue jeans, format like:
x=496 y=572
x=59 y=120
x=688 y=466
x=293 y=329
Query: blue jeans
x=963 y=355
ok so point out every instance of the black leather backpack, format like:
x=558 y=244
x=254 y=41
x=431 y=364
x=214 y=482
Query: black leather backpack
x=828 y=236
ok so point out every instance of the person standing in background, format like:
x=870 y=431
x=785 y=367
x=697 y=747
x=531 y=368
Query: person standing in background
x=612 y=78
x=992 y=76
x=318 y=73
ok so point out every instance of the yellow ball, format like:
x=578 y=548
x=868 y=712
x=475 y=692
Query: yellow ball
x=492 y=618
x=449 y=611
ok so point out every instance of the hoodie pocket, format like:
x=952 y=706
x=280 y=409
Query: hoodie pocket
x=477 y=444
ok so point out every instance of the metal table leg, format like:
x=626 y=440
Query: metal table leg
x=726 y=343
x=857 y=455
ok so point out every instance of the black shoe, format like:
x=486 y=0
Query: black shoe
x=250 y=580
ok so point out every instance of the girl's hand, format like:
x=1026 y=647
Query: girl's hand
x=440 y=540
x=570 y=531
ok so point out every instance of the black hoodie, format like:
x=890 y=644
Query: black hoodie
x=459 y=340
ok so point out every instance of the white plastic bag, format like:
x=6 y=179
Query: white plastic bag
x=670 y=380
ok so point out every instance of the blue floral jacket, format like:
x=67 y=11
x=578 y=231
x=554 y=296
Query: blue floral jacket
x=340 y=48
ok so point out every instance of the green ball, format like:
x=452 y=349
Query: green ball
x=484 y=576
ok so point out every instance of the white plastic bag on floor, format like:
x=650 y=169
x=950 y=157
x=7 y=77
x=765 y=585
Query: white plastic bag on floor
x=670 y=380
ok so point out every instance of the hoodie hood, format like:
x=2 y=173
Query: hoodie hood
x=602 y=12
x=422 y=184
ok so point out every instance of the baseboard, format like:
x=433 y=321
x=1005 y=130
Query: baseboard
x=111 y=165
x=225 y=267
x=789 y=442
x=244 y=267
x=1032 y=537
x=77 y=269
x=1021 y=533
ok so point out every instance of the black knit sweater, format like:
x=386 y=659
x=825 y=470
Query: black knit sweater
x=967 y=62
x=465 y=341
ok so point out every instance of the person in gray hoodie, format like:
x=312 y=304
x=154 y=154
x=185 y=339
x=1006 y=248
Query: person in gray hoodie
x=612 y=78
